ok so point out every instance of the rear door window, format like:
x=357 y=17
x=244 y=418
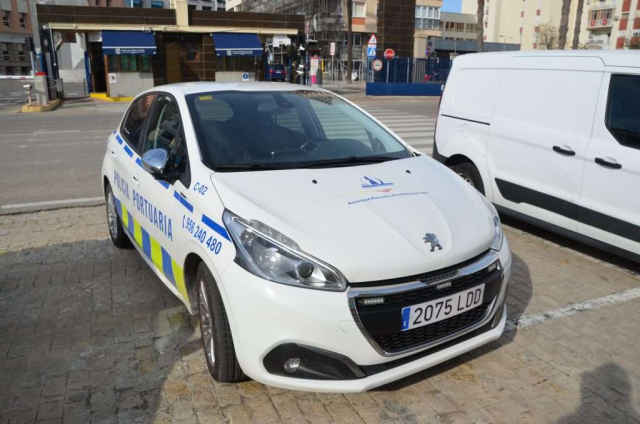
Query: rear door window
x=623 y=110
x=134 y=123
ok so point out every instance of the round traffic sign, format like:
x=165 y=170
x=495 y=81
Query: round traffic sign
x=377 y=65
x=389 y=54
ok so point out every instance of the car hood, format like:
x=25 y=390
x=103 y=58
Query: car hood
x=370 y=221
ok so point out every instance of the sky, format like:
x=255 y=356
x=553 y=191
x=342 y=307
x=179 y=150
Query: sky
x=451 y=5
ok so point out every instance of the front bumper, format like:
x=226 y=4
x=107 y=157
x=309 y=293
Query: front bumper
x=266 y=315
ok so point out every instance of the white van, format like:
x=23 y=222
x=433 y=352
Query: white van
x=552 y=138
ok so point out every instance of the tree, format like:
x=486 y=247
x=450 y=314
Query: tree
x=547 y=37
x=564 y=24
x=480 y=16
x=576 y=30
x=349 y=39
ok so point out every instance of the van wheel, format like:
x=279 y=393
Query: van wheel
x=468 y=172
x=116 y=231
x=217 y=341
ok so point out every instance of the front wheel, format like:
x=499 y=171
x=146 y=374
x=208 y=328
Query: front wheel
x=116 y=231
x=468 y=172
x=217 y=341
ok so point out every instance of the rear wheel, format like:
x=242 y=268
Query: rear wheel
x=468 y=172
x=118 y=237
x=217 y=341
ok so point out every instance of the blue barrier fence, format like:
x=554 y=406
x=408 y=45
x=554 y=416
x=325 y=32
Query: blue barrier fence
x=408 y=77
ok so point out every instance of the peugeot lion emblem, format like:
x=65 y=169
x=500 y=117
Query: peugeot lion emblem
x=433 y=239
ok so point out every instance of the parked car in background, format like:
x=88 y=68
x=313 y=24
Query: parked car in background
x=320 y=251
x=278 y=72
x=552 y=138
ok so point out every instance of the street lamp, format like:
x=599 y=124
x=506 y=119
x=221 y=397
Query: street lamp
x=504 y=41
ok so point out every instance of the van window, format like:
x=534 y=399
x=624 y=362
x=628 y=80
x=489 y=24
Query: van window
x=623 y=110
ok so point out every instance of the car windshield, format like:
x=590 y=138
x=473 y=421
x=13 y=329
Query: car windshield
x=240 y=130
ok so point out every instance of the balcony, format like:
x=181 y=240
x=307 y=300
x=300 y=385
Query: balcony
x=600 y=5
x=599 y=23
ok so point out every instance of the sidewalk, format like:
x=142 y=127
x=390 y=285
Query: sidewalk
x=89 y=334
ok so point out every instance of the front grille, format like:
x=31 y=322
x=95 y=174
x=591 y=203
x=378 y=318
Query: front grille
x=429 y=333
x=382 y=322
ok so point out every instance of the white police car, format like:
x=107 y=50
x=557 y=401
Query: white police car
x=320 y=251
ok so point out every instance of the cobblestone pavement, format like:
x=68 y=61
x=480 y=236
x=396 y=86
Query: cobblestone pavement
x=89 y=334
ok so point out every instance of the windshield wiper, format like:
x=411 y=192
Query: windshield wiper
x=350 y=160
x=240 y=167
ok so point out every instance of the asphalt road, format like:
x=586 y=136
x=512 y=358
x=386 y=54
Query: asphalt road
x=53 y=159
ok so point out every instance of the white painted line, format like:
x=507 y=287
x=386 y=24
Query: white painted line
x=53 y=203
x=422 y=134
x=585 y=305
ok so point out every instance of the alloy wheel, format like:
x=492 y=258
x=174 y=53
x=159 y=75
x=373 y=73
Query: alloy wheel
x=112 y=215
x=206 y=323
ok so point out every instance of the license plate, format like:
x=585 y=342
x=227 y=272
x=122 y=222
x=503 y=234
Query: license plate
x=446 y=307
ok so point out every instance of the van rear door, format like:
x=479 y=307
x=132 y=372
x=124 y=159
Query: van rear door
x=609 y=204
x=539 y=134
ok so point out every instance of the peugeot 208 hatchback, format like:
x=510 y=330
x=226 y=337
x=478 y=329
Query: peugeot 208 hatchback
x=319 y=250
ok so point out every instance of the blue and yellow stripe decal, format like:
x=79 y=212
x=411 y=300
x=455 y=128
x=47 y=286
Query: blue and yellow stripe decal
x=131 y=154
x=153 y=250
x=215 y=226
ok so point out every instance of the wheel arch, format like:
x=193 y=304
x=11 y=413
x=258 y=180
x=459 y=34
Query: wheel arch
x=457 y=160
x=191 y=264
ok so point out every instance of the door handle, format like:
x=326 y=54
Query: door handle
x=112 y=153
x=135 y=179
x=565 y=152
x=608 y=164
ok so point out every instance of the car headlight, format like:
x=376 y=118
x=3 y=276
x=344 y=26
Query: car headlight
x=271 y=255
x=498 y=237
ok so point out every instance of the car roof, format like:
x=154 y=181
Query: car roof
x=186 y=88
x=608 y=57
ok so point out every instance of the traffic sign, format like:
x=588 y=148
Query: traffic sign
x=389 y=54
x=333 y=48
x=373 y=41
x=377 y=65
x=245 y=76
x=371 y=51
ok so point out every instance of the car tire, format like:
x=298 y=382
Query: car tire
x=116 y=231
x=468 y=172
x=217 y=340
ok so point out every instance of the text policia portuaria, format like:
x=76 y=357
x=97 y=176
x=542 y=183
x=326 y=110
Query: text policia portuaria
x=161 y=221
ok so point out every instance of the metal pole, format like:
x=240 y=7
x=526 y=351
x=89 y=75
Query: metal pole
x=387 y=63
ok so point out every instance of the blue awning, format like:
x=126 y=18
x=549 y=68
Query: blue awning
x=128 y=42
x=237 y=44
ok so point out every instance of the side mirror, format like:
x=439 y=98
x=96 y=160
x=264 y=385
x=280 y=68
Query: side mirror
x=155 y=162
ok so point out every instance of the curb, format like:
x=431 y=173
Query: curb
x=106 y=98
x=40 y=108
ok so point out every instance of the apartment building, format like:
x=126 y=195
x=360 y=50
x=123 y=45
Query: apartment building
x=606 y=24
x=15 y=29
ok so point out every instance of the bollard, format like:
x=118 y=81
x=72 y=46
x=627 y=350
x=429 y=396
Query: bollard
x=40 y=84
x=27 y=87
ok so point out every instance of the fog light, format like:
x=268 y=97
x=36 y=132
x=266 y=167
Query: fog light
x=291 y=365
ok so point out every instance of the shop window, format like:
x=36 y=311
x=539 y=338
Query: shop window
x=4 y=51
x=6 y=18
x=129 y=63
x=235 y=64
x=23 y=21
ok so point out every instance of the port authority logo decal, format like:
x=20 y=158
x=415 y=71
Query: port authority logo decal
x=376 y=183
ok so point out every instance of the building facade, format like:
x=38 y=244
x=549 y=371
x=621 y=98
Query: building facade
x=605 y=24
x=15 y=29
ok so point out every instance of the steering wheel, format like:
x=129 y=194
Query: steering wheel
x=313 y=142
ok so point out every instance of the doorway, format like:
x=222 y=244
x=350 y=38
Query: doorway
x=98 y=76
